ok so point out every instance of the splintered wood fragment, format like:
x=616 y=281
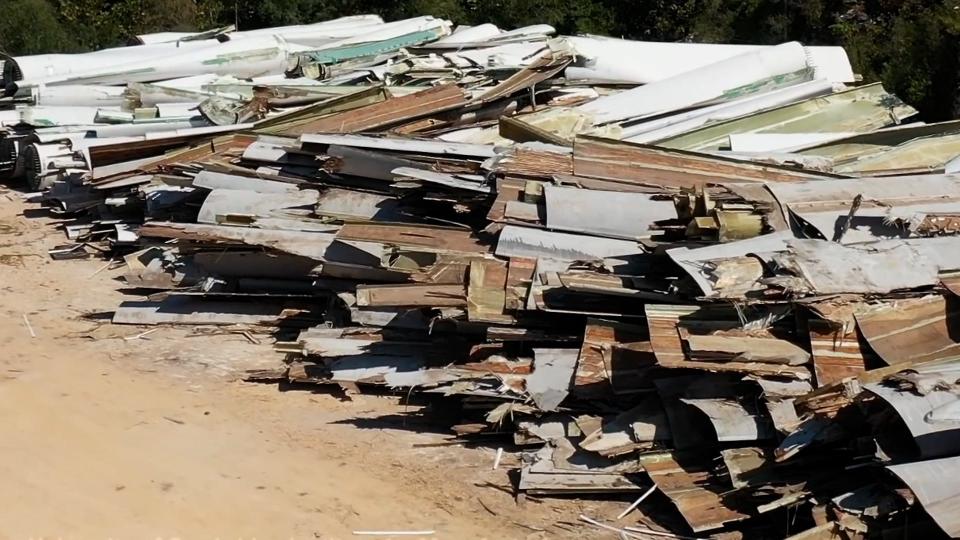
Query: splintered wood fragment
x=101 y=269
x=485 y=507
x=838 y=236
x=637 y=502
x=412 y=295
x=141 y=335
x=496 y=461
x=266 y=375
x=636 y=532
x=652 y=532
x=619 y=531
x=439 y=444
x=469 y=429
x=26 y=321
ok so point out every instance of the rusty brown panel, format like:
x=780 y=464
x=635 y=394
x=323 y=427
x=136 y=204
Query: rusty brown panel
x=595 y=282
x=951 y=282
x=202 y=147
x=489 y=358
x=486 y=292
x=205 y=150
x=390 y=112
x=629 y=366
x=836 y=354
x=519 y=278
x=913 y=330
x=713 y=342
x=591 y=377
x=214 y=164
x=526 y=214
x=199 y=232
x=419 y=126
x=129 y=151
x=470 y=116
x=432 y=238
x=663 y=322
x=800 y=373
x=411 y=295
x=534 y=163
x=507 y=190
x=939 y=225
x=628 y=162
x=537 y=72
x=760 y=197
x=696 y=492
x=515 y=129
x=308 y=372
x=448 y=270
x=829 y=399
x=452 y=166
x=612 y=353
x=292 y=121
x=607 y=185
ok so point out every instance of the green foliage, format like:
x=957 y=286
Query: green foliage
x=911 y=45
x=32 y=27
x=920 y=63
x=587 y=16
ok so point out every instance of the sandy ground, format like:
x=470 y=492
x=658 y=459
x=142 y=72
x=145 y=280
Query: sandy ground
x=156 y=437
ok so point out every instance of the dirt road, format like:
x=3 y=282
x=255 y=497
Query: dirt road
x=106 y=435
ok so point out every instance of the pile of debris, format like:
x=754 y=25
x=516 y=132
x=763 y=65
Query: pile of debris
x=721 y=276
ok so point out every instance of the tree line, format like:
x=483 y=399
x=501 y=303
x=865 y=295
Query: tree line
x=910 y=45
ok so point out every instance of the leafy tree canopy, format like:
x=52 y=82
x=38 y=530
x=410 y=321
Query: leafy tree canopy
x=910 y=45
